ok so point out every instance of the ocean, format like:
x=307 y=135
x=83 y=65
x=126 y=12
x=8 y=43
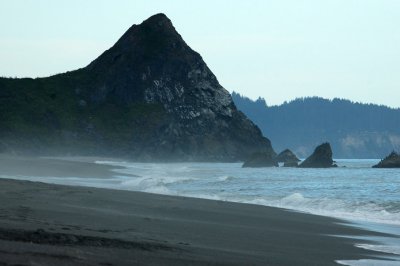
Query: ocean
x=368 y=197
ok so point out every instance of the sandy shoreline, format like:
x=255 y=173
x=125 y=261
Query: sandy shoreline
x=54 y=167
x=49 y=224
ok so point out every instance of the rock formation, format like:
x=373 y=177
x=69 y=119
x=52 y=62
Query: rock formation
x=149 y=97
x=391 y=161
x=287 y=157
x=321 y=158
x=260 y=159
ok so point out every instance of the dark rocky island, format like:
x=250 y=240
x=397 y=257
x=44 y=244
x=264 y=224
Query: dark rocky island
x=260 y=159
x=288 y=158
x=391 y=161
x=321 y=158
x=149 y=97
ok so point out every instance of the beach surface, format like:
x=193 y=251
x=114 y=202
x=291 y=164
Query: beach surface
x=46 y=224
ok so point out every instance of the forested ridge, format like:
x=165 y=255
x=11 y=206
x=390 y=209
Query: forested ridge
x=355 y=130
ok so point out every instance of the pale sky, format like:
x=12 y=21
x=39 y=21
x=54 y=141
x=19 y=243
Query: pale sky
x=278 y=50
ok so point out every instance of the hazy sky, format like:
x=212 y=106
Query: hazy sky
x=278 y=50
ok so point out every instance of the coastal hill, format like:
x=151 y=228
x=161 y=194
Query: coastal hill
x=149 y=97
x=354 y=130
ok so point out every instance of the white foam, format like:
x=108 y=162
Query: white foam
x=366 y=262
x=202 y=196
x=381 y=248
x=153 y=185
x=226 y=178
x=165 y=176
x=334 y=208
x=115 y=163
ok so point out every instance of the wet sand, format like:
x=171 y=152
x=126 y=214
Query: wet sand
x=45 y=224
x=55 y=167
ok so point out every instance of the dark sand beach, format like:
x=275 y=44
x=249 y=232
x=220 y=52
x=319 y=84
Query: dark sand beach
x=54 y=167
x=45 y=224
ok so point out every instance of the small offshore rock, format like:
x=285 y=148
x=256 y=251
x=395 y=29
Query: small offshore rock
x=287 y=156
x=391 y=161
x=321 y=158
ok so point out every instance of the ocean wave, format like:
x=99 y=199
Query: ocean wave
x=360 y=211
x=226 y=178
x=366 y=262
x=328 y=193
x=115 y=163
x=152 y=185
x=381 y=248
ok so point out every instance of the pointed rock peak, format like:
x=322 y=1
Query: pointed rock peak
x=155 y=38
x=159 y=24
x=155 y=34
x=287 y=156
x=159 y=19
x=149 y=97
x=321 y=158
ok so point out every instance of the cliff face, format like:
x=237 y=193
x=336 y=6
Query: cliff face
x=150 y=96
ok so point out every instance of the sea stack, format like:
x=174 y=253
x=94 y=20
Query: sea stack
x=391 y=161
x=149 y=97
x=288 y=158
x=321 y=158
